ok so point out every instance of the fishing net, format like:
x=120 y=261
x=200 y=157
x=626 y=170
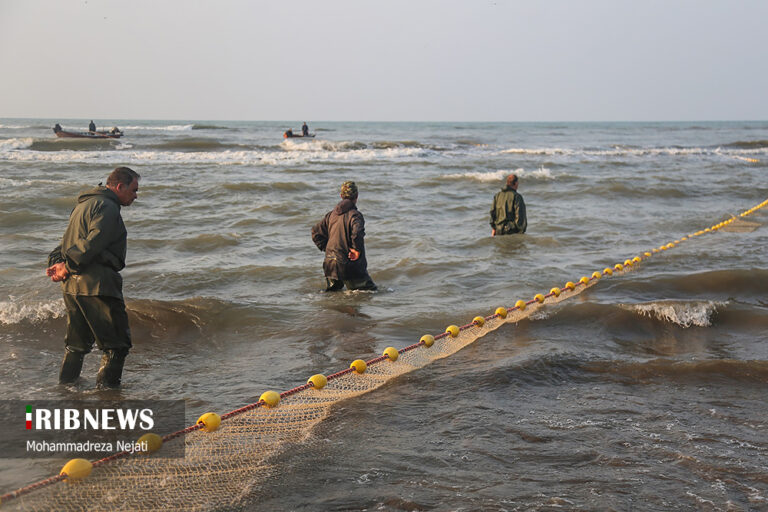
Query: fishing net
x=739 y=225
x=221 y=469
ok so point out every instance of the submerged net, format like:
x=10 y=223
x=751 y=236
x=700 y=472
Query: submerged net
x=222 y=468
x=739 y=225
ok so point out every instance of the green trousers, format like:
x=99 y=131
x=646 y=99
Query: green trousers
x=98 y=319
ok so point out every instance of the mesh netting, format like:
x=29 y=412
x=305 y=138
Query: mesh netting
x=221 y=468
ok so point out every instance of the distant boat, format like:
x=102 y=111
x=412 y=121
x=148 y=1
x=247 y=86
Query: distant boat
x=288 y=134
x=114 y=133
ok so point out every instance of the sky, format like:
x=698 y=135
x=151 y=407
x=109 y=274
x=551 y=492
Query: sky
x=397 y=60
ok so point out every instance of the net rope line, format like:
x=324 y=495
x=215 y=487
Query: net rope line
x=247 y=437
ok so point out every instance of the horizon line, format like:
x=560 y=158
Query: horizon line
x=393 y=122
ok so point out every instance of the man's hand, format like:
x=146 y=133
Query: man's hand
x=353 y=255
x=57 y=272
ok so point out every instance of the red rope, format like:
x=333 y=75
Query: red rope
x=241 y=410
x=31 y=487
x=192 y=428
x=377 y=360
x=411 y=347
x=339 y=374
x=295 y=390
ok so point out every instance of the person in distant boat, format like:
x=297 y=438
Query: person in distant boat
x=508 y=210
x=57 y=128
x=288 y=134
x=305 y=129
x=341 y=236
x=87 y=264
x=92 y=126
x=115 y=131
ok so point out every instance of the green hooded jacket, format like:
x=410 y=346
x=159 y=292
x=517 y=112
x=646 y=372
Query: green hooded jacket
x=94 y=246
x=508 y=212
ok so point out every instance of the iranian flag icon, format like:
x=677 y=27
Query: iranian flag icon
x=29 y=417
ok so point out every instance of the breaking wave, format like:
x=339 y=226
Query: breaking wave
x=338 y=146
x=201 y=144
x=20 y=311
x=683 y=314
x=14 y=144
x=227 y=157
x=634 y=152
x=167 y=128
x=541 y=173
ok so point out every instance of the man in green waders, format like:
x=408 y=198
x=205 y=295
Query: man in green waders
x=508 y=210
x=87 y=263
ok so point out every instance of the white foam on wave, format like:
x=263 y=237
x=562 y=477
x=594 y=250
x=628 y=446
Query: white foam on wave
x=542 y=173
x=14 y=312
x=535 y=151
x=501 y=174
x=55 y=156
x=321 y=145
x=216 y=157
x=740 y=151
x=166 y=128
x=340 y=154
x=684 y=314
x=482 y=176
x=26 y=182
x=629 y=152
x=15 y=144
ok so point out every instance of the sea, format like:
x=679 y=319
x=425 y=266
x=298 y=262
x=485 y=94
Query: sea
x=645 y=392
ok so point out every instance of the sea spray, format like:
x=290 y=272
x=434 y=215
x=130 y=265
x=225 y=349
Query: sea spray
x=15 y=311
x=684 y=314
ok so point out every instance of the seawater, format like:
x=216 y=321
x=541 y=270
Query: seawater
x=645 y=392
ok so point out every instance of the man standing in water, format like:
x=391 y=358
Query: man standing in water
x=87 y=263
x=508 y=210
x=340 y=234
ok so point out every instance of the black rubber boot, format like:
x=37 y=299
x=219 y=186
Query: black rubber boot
x=71 y=367
x=111 y=370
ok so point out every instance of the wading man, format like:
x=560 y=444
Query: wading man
x=87 y=263
x=508 y=210
x=340 y=234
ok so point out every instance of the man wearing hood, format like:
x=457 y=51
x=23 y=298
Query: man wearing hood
x=508 y=210
x=340 y=234
x=87 y=263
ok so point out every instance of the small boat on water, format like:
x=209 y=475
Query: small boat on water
x=290 y=135
x=114 y=133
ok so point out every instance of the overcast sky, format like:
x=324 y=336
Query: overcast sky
x=410 y=60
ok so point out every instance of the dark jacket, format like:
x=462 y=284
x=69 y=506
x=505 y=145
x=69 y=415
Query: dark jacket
x=342 y=229
x=508 y=212
x=94 y=246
